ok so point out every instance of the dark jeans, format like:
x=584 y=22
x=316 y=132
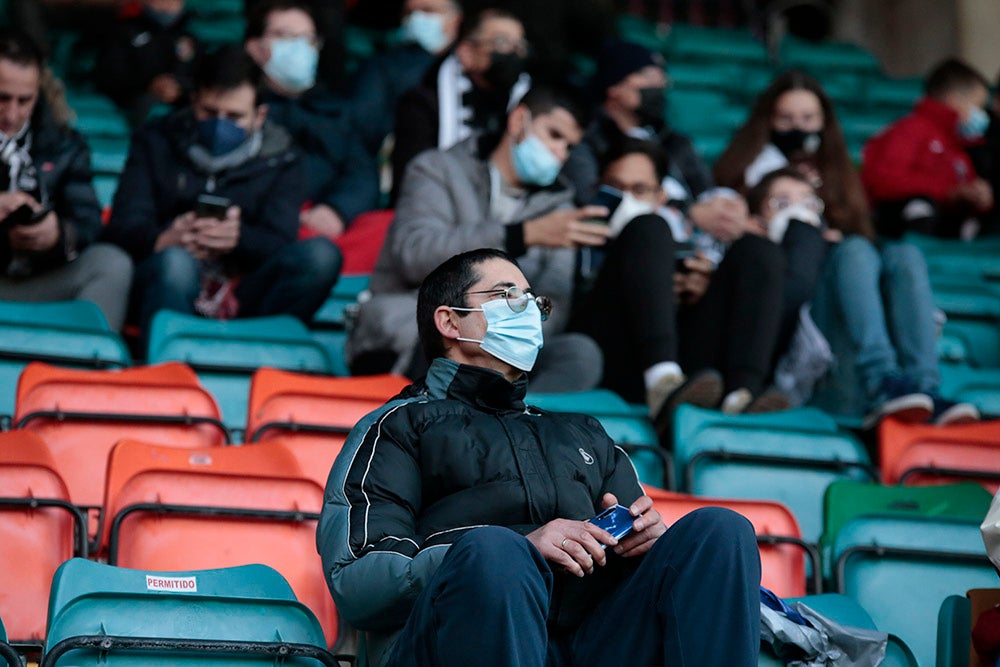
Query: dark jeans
x=691 y=601
x=632 y=314
x=295 y=281
x=919 y=214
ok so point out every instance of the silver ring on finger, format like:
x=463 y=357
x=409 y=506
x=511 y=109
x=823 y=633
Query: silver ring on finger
x=563 y=543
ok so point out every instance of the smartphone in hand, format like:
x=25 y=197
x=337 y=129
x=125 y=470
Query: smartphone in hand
x=609 y=198
x=212 y=206
x=617 y=520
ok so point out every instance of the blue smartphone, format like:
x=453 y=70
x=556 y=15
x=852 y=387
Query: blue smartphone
x=616 y=520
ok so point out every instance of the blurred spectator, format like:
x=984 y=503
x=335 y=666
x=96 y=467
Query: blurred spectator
x=429 y=29
x=88 y=18
x=48 y=209
x=793 y=123
x=341 y=179
x=483 y=194
x=236 y=255
x=469 y=91
x=330 y=21
x=655 y=309
x=874 y=306
x=918 y=173
x=986 y=159
x=148 y=59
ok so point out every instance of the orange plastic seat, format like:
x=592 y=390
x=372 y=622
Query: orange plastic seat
x=39 y=530
x=917 y=454
x=170 y=509
x=81 y=414
x=782 y=550
x=312 y=415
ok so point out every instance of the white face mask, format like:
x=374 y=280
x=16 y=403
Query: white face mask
x=515 y=338
x=426 y=29
x=630 y=208
x=778 y=224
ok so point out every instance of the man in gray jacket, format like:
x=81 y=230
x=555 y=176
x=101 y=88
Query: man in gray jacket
x=504 y=195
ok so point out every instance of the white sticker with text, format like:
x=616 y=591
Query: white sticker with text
x=156 y=582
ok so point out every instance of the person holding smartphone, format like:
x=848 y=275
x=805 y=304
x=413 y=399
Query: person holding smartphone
x=456 y=527
x=208 y=205
x=49 y=215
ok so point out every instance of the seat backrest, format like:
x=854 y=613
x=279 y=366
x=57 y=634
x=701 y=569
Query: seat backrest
x=904 y=449
x=953 y=632
x=150 y=401
x=274 y=521
x=33 y=541
x=782 y=564
x=250 y=603
x=883 y=561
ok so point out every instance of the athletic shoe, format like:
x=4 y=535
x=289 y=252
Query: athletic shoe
x=703 y=389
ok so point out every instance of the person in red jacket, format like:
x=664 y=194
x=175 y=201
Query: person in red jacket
x=917 y=172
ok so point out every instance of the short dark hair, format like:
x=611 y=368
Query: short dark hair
x=953 y=75
x=257 y=17
x=544 y=98
x=227 y=68
x=446 y=286
x=758 y=193
x=630 y=146
x=19 y=48
x=472 y=24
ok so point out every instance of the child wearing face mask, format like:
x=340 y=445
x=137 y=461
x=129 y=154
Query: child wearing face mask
x=873 y=306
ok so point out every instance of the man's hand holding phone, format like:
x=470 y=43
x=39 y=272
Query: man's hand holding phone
x=218 y=236
x=568 y=228
x=30 y=226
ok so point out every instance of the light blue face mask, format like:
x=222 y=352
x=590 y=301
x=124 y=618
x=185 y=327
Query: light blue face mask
x=512 y=337
x=975 y=126
x=292 y=64
x=534 y=163
x=426 y=29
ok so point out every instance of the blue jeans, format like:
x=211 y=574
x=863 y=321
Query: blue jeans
x=295 y=281
x=691 y=601
x=874 y=306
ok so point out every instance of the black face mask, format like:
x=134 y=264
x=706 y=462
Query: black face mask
x=796 y=142
x=504 y=70
x=652 y=107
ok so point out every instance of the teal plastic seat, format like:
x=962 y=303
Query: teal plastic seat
x=897 y=94
x=901 y=569
x=102 y=124
x=343 y=296
x=688 y=43
x=100 y=614
x=821 y=58
x=105 y=186
x=631 y=430
x=645 y=33
x=979 y=386
x=108 y=154
x=218 y=30
x=970 y=341
x=7 y=652
x=953 y=640
x=790 y=457
x=226 y=353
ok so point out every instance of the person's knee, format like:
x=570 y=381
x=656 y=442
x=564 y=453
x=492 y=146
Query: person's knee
x=109 y=260
x=905 y=260
x=318 y=258
x=719 y=527
x=758 y=256
x=493 y=557
x=646 y=232
x=859 y=250
x=174 y=267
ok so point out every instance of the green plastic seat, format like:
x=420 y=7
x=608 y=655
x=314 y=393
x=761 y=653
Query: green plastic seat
x=901 y=569
x=226 y=353
x=246 y=604
x=790 y=457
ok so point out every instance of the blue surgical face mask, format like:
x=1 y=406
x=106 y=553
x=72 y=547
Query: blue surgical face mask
x=220 y=135
x=161 y=18
x=292 y=64
x=514 y=338
x=534 y=163
x=426 y=29
x=975 y=126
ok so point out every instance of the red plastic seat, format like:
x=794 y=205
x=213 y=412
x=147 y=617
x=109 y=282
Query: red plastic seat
x=170 y=508
x=81 y=414
x=34 y=541
x=312 y=415
x=782 y=551
x=917 y=454
x=363 y=240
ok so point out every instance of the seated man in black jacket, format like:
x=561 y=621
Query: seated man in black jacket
x=455 y=532
x=235 y=255
x=341 y=178
x=49 y=215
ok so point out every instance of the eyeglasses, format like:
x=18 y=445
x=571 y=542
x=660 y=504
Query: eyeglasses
x=517 y=299
x=813 y=203
x=640 y=190
x=504 y=44
x=313 y=40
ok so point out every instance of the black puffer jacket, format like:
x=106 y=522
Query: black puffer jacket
x=457 y=452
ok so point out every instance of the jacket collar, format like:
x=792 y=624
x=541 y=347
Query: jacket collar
x=940 y=115
x=482 y=388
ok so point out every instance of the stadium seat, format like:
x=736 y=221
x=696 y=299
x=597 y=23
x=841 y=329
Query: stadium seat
x=979 y=386
x=68 y=333
x=929 y=454
x=7 y=652
x=39 y=530
x=342 y=297
x=977 y=342
x=362 y=242
x=248 y=615
x=782 y=549
x=226 y=353
x=901 y=569
x=177 y=509
x=81 y=415
x=953 y=632
x=822 y=58
x=789 y=457
x=630 y=429
x=689 y=43
x=313 y=415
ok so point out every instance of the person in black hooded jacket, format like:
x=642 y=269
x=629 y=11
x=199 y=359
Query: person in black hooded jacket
x=455 y=524
x=237 y=261
x=49 y=214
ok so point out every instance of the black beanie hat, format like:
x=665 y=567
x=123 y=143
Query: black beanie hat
x=619 y=59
